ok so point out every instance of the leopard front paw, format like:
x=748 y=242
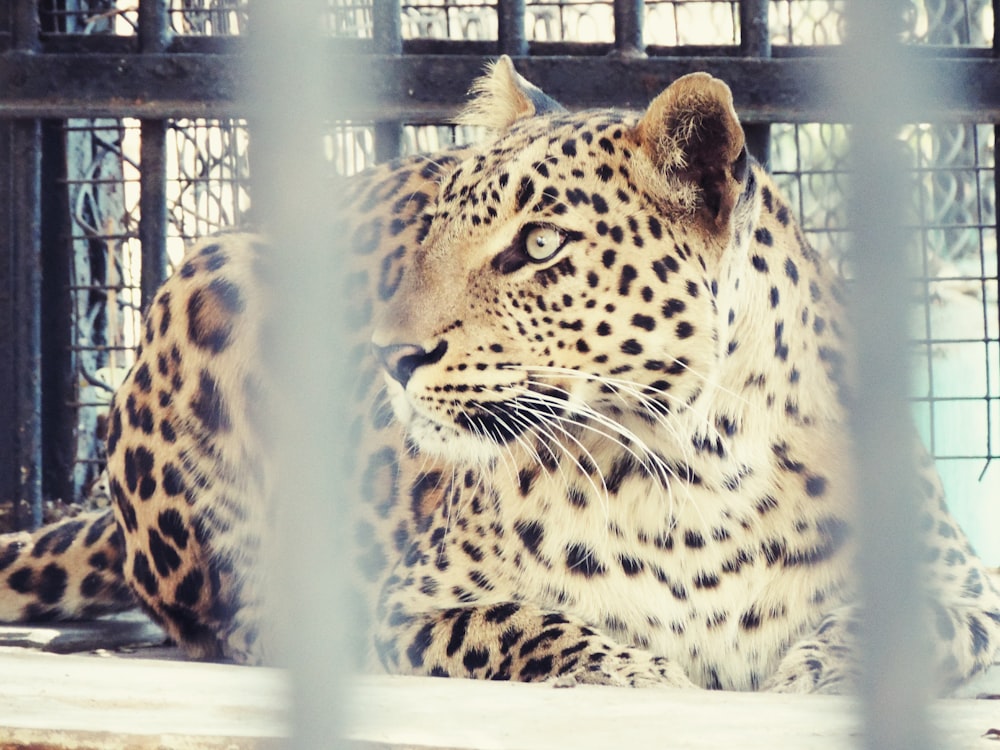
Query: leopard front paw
x=810 y=673
x=625 y=669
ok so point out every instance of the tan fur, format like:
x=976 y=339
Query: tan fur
x=498 y=99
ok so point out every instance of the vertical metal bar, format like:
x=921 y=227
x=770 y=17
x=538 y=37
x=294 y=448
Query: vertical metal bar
x=755 y=35
x=895 y=662
x=154 y=29
x=154 y=37
x=387 y=26
x=25 y=25
x=291 y=191
x=387 y=33
x=59 y=381
x=996 y=224
x=511 y=39
x=628 y=28
x=996 y=28
x=755 y=42
x=388 y=140
x=153 y=207
x=25 y=159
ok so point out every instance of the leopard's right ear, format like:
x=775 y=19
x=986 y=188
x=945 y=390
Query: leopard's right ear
x=691 y=133
x=503 y=96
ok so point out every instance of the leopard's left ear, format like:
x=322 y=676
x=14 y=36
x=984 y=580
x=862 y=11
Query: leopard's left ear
x=692 y=134
x=503 y=96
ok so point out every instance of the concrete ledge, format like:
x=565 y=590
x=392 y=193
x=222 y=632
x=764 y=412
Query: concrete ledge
x=428 y=713
x=50 y=702
x=76 y=702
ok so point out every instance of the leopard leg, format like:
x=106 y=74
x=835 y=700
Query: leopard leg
x=507 y=640
x=964 y=634
x=824 y=661
x=67 y=570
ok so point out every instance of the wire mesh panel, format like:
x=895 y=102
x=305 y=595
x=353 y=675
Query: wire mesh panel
x=194 y=17
x=207 y=166
x=207 y=174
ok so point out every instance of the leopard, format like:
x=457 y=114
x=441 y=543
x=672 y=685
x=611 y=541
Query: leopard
x=602 y=427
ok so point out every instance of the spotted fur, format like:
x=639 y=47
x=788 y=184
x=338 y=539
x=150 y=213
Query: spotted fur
x=607 y=443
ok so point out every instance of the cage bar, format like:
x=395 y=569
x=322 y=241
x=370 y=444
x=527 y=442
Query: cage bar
x=154 y=33
x=154 y=28
x=153 y=207
x=25 y=26
x=511 y=38
x=755 y=42
x=25 y=156
x=387 y=26
x=388 y=140
x=628 y=28
x=895 y=664
x=59 y=387
x=291 y=193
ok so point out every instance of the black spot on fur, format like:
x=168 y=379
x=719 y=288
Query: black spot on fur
x=792 y=271
x=143 y=574
x=210 y=311
x=815 y=486
x=417 y=649
x=209 y=405
x=172 y=525
x=58 y=540
x=750 y=620
x=51 y=583
x=525 y=192
x=143 y=379
x=693 y=539
x=582 y=560
x=20 y=580
x=476 y=658
x=165 y=557
x=763 y=236
x=189 y=589
x=173 y=480
x=631 y=565
x=459 y=629
x=501 y=612
x=531 y=534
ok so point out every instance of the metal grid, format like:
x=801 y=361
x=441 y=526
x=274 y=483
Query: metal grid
x=189 y=17
x=197 y=172
x=112 y=208
x=206 y=189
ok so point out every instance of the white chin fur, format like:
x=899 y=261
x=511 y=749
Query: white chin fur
x=436 y=439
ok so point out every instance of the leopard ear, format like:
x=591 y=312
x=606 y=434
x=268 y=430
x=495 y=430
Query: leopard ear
x=502 y=97
x=691 y=133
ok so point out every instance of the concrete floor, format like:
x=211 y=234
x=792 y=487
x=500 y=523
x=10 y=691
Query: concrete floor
x=100 y=700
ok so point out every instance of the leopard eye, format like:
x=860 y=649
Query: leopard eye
x=541 y=242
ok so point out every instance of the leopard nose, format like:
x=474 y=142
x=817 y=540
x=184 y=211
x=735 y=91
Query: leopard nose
x=402 y=360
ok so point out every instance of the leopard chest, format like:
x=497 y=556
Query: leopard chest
x=704 y=577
